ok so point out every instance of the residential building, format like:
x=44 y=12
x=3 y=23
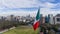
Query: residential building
x=57 y=19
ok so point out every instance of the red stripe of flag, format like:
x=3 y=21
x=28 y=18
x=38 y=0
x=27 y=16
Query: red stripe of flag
x=36 y=25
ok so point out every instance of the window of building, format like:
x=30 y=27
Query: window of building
x=58 y=19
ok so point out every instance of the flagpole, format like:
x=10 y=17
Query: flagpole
x=40 y=22
x=40 y=26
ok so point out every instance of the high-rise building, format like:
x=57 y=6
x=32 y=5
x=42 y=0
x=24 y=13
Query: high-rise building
x=46 y=19
x=51 y=21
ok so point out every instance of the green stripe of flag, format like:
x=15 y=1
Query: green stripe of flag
x=38 y=14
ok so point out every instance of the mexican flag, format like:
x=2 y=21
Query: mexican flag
x=37 y=20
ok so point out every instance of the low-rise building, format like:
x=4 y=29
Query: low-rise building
x=57 y=19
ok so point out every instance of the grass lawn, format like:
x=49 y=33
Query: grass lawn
x=22 y=30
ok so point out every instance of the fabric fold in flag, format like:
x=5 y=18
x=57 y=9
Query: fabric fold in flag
x=36 y=25
x=37 y=20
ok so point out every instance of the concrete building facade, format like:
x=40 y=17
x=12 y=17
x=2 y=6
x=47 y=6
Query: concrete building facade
x=57 y=19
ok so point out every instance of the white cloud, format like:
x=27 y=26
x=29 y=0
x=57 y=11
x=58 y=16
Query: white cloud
x=46 y=5
x=46 y=11
x=25 y=3
x=18 y=13
x=17 y=3
x=5 y=4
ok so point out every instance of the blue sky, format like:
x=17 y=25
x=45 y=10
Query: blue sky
x=25 y=7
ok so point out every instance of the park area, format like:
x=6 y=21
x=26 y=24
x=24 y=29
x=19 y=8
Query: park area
x=22 y=30
x=29 y=29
